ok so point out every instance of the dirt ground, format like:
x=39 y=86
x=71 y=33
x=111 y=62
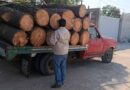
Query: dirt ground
x=81 y=75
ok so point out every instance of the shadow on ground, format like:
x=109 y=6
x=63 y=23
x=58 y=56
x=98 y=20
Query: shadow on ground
x=81 y=75
x=97 y=75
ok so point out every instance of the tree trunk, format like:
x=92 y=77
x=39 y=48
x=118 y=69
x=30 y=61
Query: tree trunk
x=38 y=36
x=74 y=39
x=84 y=37
x=40 y=15
x=12 y=35
x=16 y=18
x=57 y=14
x=79 y=10
x=68 y=15
x=77 y=24
x=54 y=20
x=86 y=23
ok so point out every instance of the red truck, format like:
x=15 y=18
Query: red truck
x=98 y=46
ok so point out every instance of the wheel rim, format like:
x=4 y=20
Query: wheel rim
x=50 y=67
x=109 y=55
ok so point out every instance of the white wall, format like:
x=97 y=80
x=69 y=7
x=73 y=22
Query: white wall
x=125 y=28
x=109 y=26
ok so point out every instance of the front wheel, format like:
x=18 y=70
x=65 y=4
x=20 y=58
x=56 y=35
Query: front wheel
x=108 y=55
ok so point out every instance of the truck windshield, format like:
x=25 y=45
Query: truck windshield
x=93 y=33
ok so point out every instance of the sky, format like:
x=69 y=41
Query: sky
x=123 y=5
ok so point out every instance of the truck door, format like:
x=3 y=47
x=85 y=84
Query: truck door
x=95 y=44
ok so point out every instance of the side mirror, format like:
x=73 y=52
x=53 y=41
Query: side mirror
x=98 y=36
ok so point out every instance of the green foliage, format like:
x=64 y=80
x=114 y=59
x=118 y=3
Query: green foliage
x=111 y=11
x=49 y=1
x=21 y=1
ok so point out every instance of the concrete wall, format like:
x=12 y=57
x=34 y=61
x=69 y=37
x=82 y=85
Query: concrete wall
x=109 y=26
x=124 y=31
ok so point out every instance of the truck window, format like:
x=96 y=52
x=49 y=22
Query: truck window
x=93 y=33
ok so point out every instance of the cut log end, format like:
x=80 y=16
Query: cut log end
x=26 y=22
x=38 y=36
x=54 y=20
x=68 y=14
x=86 y=23
x=82 y=11
x=77 y=24
x=20 y=39
x=69 y=23
x=74 y=39
x=84 y=38
x=42 y=17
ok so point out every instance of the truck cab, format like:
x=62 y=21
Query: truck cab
x=99 y=46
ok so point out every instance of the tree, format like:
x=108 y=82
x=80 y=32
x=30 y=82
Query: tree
x=63 y=1
x=111 y=11
x=49 y=1
x=21 y=1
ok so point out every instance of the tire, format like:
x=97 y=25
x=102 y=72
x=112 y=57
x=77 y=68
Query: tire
x=108 y=55
x=46 y=65
x=25 y=67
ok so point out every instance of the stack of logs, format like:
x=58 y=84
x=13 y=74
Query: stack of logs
x=33 y=25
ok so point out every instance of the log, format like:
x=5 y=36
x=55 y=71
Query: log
x=54 y=20
x=74 y=39
x=79 y=10
x=12 y=35
x=38 y=36
x=48 y=36
x=84 y=37
x=16 y=18
x=77 y=24
x=69 y=23
x=68 y=15
x=40 y=15
x=86 y=23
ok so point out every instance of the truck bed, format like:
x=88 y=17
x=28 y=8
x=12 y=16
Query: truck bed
x=9 y=51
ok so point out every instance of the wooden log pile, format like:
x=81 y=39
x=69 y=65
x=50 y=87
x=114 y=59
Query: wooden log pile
x=33 y=25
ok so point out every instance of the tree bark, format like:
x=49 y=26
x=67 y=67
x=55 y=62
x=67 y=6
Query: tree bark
x=40 y=15
x=79 y=10
x=12 y=35
x=16 y=18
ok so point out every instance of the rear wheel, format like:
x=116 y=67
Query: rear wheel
x=108 y=55
x=45 y=65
